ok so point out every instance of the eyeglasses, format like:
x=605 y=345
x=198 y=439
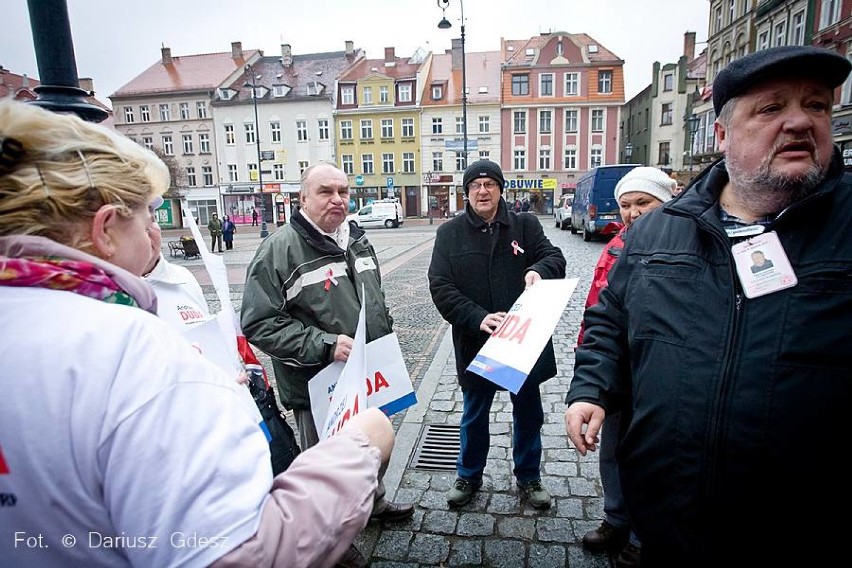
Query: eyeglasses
x=474 y=185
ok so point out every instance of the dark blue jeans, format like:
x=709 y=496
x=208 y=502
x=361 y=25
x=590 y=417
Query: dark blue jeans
x=527 y=420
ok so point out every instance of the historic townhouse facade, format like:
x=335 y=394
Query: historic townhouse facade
x=294 y=96
x=377 y=126
x=561 y=95
x=833 y=30
x=442 y=122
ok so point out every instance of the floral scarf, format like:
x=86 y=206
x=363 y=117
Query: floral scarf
x=61 y=274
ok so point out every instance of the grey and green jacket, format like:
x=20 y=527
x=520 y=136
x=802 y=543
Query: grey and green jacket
x=293 y=312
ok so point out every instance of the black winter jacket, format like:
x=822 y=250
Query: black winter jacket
x=741 y=407
x=474 y=272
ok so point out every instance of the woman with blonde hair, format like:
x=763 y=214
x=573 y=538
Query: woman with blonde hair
x=119 y=443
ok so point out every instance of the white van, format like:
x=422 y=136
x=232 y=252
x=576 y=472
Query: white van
x=386 y=212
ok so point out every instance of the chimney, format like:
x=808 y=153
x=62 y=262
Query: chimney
x=689 y=45
x=236 y=50
x=25 y=81
x=87 y=84
x=390 y=55
x=167 y=55
x=286 y=55
x=350 y=48
x=457 y=53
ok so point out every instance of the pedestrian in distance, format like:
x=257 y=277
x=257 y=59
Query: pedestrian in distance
x=734 y=396
x=641 y=190
x=214 y=226
x=253 y=217
x=302 y=299
x=228 y=230
x=121 y=445
x=482 y=261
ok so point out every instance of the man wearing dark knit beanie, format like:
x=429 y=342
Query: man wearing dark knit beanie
x=482 y=261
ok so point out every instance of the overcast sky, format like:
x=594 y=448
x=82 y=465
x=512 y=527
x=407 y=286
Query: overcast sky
x=115 y=40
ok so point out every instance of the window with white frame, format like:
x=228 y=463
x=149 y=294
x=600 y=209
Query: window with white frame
x=204 y=142
x=278 y=172
x=366 y=163
x=148 y=142
x=830 y=13
x=665 y=153
x=303 y=165
x=597 y=120
x=368 y=96
x=207 y=175
x=184 y=111
x=438 y=161
x=732 y=4
x=388 y=166
x=191 y=181
x=201 y=109
x=666 y=114
x=570 y=158
x=596 y=156
x=717 y=18
x=544 y=158
x=605 y=81
x=145 y=113
x=460 y=165
x=711 y=132
x=366 y=129
x=781 y=33
x=519 y=121
x=387 y=128
x=520 y=160
x=484 y=124
x=437 y=92
x=459 y=125
x=521 y=84
x=251 y=135
x=233 y=174
x=322 y=129
x=846 y=91
x=229 y=134
x=279 y=91
x=572 y=84
x=168 y=145
x=799 y=28
x=570 y=120
x=275 y=131
x=405 y=93
x=408 y=162
x=187 y=143
x=128 y=115
x=165 y=112
x=383 y=94
x=668 y=82
x=252 y=172
x=484 y=155
x=347 y=95
x=545 y=84
x=545 y=121
x=408 y=128
x=762 y=40
x=437 y=125
x=347 y=164
x=346 y=130
x=302 y=130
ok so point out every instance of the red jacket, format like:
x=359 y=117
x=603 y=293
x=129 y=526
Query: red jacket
x=605 y=262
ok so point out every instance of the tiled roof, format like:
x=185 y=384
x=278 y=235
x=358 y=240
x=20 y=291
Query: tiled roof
x=514 y=51
x=482 y=70
x=13 y=85
x=185 y=73
x=401 y=69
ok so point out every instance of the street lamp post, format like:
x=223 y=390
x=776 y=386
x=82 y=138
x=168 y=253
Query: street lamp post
x=428 y=180
x=249 y=71
x=628 y=152
x=692 y=124
x=445 y=24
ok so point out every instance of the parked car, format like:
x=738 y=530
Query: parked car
x=594 y=206
x=562 y=211
x=386 y=212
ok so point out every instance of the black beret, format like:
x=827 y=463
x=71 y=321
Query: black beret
x=792 y=60
x=483 y=168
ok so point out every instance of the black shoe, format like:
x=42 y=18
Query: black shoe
x=629 y=557
x=393 y=512
x=606 y=537
x=352 y=558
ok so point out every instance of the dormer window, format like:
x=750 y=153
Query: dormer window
x=437 y=92
x=280 y=90
x=315 y=88
x=226 y=94
x=593 y=48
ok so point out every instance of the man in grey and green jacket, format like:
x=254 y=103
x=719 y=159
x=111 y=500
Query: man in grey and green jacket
x=302 y=298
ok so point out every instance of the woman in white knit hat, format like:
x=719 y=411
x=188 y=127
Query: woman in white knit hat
x=639 y=191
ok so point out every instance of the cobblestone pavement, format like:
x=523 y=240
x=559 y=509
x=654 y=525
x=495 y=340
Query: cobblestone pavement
x=497 y=528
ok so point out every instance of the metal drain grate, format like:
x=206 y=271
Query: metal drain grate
x=438 y=448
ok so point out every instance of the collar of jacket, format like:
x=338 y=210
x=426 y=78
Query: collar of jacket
x=478 y=223
x=319 y=241
x=701 y=197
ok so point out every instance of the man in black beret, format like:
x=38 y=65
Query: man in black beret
x=482 y=261
x=738 y=385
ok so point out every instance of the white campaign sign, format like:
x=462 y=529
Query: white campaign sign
x=512 y=350
x=387 y=381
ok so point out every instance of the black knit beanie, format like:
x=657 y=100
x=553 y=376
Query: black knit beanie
x=483 y=168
